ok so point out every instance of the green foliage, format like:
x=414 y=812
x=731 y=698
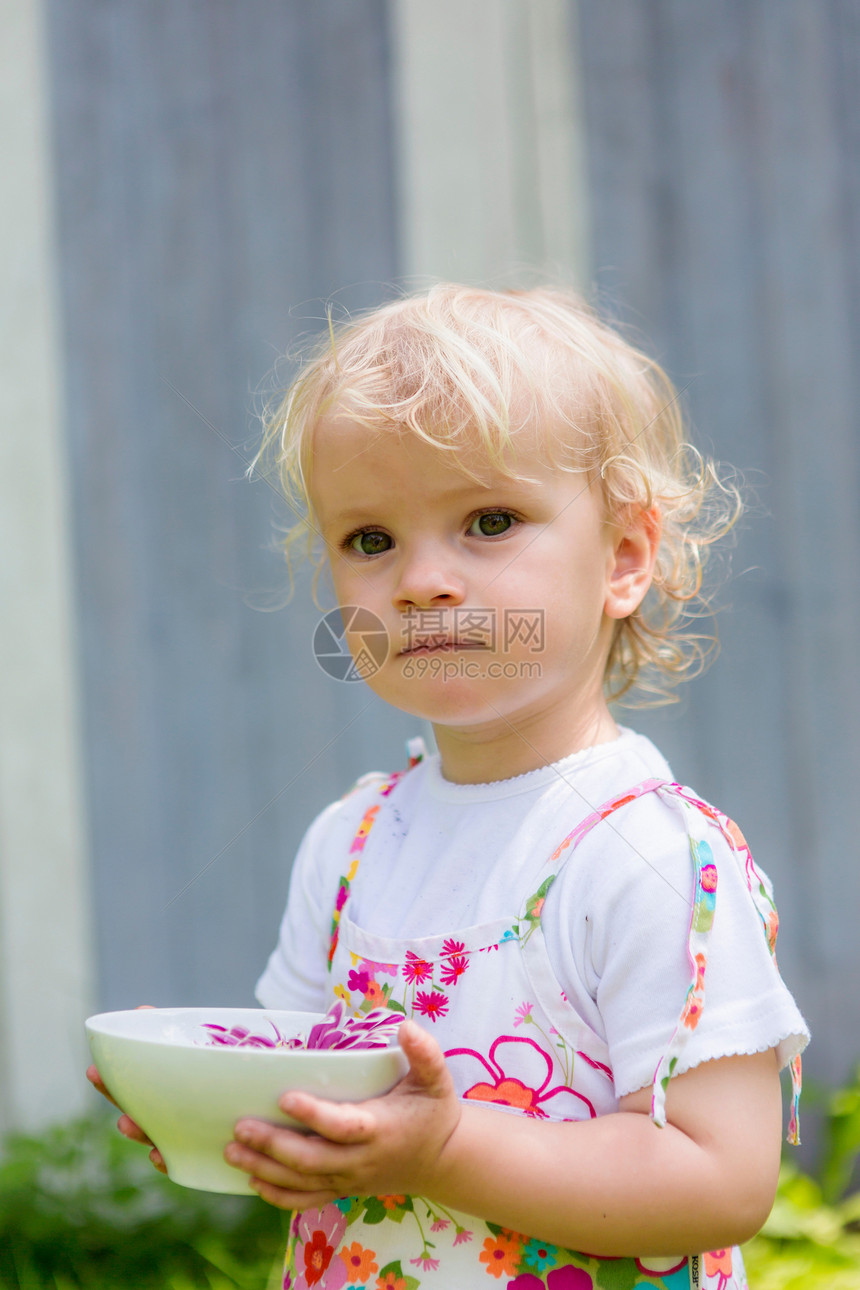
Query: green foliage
x=812 y=1239
x=81 y=1206
x=842 y=1142
x=806 y=1244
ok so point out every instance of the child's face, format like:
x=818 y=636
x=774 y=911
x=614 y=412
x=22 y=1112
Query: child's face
x=498 y=596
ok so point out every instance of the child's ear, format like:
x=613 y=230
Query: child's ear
x=631 y=567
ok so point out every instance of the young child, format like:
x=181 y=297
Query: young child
x=501 y=482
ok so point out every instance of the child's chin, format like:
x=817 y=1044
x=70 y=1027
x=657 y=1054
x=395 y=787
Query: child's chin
x=447 y=702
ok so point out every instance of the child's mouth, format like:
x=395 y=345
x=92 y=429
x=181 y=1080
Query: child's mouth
x=440 y=647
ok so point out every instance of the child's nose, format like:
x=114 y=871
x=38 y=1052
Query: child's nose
x=427 y=580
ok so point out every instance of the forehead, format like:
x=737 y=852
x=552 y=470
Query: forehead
x=359 y=474
x=345 y=453
x=352 y=465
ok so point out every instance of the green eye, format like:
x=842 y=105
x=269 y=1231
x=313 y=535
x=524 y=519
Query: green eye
x=370 y=543
x=491 y=524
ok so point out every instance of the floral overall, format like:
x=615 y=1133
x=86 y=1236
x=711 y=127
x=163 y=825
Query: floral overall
x=492 y=986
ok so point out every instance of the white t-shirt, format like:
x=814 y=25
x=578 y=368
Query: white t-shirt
x=616 y=920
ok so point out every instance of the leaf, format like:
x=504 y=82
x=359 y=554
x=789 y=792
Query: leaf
x=374 y=1210
x=620 y=1274
x=355 y=1209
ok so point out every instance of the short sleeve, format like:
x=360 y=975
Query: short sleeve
x=634 y=879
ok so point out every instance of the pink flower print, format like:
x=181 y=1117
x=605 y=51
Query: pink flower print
x=709 y=877
x=440 y=1224
x=463 y=1236
x=450 y=947
x=566 y=1278
x=517 y=1073
x=425 y=1262
x=453 y=968
x=380 y=969
x=342 y=893
x=415 y=969
x=321 y=1231
x=358 y=981
x=523 y=1014
x=569 y=1278
x=433 y=1005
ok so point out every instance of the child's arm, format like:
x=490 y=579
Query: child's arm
x=616 y=1185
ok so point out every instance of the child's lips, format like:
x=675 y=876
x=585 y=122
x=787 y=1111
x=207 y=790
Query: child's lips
x=440 y=647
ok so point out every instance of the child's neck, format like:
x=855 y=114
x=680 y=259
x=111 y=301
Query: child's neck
x=482 y=754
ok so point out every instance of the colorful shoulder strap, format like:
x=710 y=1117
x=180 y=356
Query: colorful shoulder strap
x=698 y=816
x=416 y=752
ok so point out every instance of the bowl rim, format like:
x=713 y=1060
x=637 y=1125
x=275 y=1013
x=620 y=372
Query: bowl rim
x=93 y=1027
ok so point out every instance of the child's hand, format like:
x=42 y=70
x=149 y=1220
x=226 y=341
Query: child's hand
x=388 y=1146
x=125 y=1123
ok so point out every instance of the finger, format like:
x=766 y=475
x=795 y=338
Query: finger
x=158 y=1160
x=296 y=1200
x=427 y=1068
x=276 y=1172
x=343 y=1122
x=129 y=1129
x=283 y=1145
x=287 y=1179
x=304 y=1154
x=98 y=1083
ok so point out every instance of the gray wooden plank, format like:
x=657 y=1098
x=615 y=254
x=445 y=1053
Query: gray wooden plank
x=723 y=145
x=217 y=166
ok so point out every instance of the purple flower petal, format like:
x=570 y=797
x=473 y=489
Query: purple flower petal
x=375 y=1029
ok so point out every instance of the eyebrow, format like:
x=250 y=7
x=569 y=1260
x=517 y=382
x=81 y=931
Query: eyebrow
x=470 y=488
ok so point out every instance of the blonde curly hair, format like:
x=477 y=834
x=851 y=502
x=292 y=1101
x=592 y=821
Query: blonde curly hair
x=456 y=364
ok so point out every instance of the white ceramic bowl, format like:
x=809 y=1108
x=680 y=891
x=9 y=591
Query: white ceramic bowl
x=187 y=1094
